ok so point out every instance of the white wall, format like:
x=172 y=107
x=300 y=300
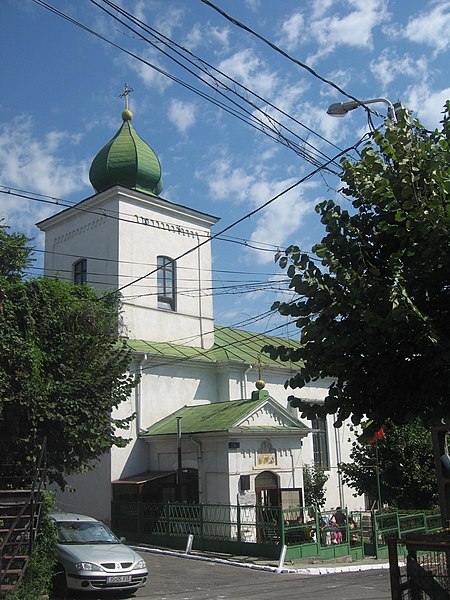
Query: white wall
x=92 y=492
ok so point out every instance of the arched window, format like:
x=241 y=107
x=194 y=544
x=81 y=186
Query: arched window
x=320 y=443
x=80 y=271
x=166 y=282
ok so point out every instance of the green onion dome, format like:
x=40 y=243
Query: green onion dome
x=128 y=161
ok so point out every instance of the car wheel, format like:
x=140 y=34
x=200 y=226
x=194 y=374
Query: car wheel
x=59 y=583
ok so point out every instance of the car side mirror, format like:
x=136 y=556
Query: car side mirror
x=123 y=540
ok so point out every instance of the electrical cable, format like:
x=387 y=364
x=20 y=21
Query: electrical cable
x=171 y=44
x=249 y=214
x=285 y=54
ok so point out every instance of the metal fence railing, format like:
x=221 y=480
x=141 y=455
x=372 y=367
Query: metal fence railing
x=424 y=570
x=379 y=527
x=255 y=529
x=245 y=528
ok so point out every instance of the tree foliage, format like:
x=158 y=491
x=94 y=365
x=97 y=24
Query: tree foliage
x=314 y=480
x=62 y=371
x=373 y=304
x=406 y=467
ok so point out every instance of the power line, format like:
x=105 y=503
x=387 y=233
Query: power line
x=170 y=44
x=207 y=353
x=248 y=117
x=34 y=196
x=282 y=52
x=248 y=215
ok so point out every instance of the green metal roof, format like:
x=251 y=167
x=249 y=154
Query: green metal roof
x=220 y=417
x=229 y=345
x=128 y=161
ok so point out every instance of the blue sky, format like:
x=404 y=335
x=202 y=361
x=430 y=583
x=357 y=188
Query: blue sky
x=60 y=104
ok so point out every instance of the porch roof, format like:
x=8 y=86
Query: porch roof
x=141 y=478
x=227 y=416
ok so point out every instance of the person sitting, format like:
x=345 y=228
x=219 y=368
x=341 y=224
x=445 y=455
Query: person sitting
x=340 y=520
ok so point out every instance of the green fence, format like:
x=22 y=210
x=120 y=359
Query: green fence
x=236 y=529
x=379 y=527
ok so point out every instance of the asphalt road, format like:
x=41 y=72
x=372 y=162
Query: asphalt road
x=178 y=578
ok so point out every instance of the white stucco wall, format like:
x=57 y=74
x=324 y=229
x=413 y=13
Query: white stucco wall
x=90 y=493
x=121 y=233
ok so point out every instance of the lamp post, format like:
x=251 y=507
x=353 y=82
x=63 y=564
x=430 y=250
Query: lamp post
x=340 y=109
x=179 y=474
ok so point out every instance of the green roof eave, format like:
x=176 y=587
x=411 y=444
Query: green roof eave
x=220 y=417
x=230 y=345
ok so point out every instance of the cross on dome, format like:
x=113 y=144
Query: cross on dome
x=126 y=92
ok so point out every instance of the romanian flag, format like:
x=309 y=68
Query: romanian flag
x=376 y=436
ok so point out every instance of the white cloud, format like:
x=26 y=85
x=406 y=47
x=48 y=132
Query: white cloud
x=221 y=36
x=194 y=37
x=149 y=76
x=389 y=65
x=182 y=114
x=320 y=7
x=29 y=163
x=288 y=102
x=280 y=220
x=274 y=224
x=249 y=70
x=431 y=27
x=315 y=116
x=253 y=5
x=167 y=21
x=205 y=34
x=291 y=31
x=353 y=29
x=427 y=104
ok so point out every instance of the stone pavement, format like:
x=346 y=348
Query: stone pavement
x=309 y=566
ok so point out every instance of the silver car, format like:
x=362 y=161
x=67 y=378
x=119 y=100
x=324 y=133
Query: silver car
x=91 y=557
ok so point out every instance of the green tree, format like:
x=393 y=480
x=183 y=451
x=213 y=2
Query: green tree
x=314 y=480
x=62 y=370
x=405 y=462
x=373 y=305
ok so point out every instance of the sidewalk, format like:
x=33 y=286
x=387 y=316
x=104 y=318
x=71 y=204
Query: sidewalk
x=310 y=566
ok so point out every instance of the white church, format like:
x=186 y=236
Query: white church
x=207 y=429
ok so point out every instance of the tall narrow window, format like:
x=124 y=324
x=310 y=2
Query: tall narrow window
x=80 y=271
x=166 y=283
x=320 y=443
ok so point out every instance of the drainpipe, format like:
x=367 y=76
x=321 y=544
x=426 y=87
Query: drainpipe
x=138 y=396
x=244 y=382
x=200 y=307
x=200 y=468
x=338 y=460
x=293 y=468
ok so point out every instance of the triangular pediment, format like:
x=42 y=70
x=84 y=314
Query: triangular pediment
x=270 y=414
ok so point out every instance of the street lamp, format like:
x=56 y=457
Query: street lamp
x=340 y=109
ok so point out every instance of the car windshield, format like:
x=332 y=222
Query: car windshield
x=79 y=532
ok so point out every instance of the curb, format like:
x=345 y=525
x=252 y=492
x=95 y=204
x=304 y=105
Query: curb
x=301 y=571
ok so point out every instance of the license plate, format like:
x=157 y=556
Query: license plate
x=118 y=579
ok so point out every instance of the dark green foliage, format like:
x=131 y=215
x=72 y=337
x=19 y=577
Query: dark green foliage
x=405 y=460
x=14 y=253
x=62 y=372
x=314 y=480
x=373 y=304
